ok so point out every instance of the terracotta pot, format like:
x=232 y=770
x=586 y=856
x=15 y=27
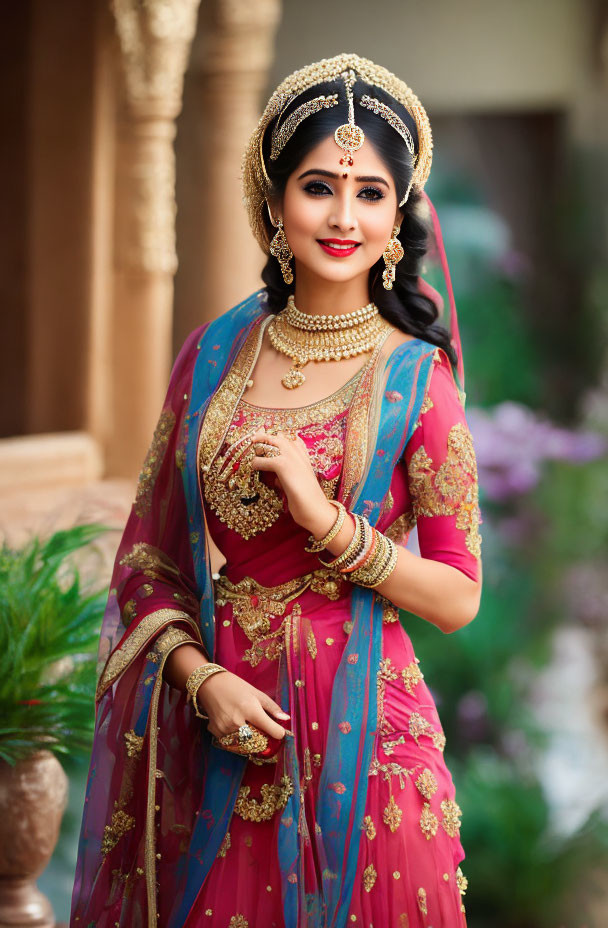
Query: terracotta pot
x=33 y=796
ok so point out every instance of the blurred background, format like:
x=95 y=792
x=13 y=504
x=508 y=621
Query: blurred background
x=124 y=124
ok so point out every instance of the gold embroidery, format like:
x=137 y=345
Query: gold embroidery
x=254 y=606
x=369 y=827
x=169 y=639
x=428 y=822
x=238 y=921
x=451 y=817
x=452 y=489
x=461 y=881
x=426 y=783
x=311 y=643
x=238 y=495
x=412 y=675
x=153 y=462
x=369 y=878
x=225 y=845
x=274 y=798
x=422 y=900
x=399 y=530
x=390 y=770
x=119 y=825
x=427 y=404
x=120 y=659
x=153 y=562
x=145 y=590
x=418 y=726
x=363 y=412
x=223 y=402
x=134 y=743
x=392 y=815
x=129 y=612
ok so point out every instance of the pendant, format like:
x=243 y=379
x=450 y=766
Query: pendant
x=293 y=378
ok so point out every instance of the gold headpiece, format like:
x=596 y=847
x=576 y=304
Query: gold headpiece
x=256 y=183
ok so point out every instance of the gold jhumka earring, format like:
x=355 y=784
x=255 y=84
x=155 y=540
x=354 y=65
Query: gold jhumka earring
x=279 y=249
x=392 y=254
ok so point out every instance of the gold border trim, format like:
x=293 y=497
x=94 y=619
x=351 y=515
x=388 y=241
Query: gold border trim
x=123 y=656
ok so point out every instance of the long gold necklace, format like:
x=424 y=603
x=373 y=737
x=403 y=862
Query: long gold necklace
x=305 y=337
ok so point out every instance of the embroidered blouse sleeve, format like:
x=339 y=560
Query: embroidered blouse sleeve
x=442 y=476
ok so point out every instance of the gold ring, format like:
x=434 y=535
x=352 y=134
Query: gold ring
x=263 y=449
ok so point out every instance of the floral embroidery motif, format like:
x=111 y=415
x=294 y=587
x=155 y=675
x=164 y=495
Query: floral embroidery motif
x=311 y=643
x=426 y=783
x=133 y=743
x=418 y=726
x=369 y=878
x=120 y=824
x=451 y=817
x=369 y=827
x=428 y=822
x=422 y=900
x=452 y=489
x=153 y=562
x=238 y=921
x=390 y=770
x=392 y=815
x=274 y=798
x=153 y=462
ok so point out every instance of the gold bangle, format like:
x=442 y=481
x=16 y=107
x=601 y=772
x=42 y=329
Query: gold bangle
x=196 y=678
x=382 y=567
x=351 y=547
x=316 y=546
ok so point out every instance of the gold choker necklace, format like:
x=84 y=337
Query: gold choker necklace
x=305 y=337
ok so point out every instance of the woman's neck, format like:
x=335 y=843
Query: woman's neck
x=326 y=297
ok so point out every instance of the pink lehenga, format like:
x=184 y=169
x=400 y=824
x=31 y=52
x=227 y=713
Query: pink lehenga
x=355 y=821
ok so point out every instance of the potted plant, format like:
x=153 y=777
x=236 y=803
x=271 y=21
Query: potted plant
x=49 y=629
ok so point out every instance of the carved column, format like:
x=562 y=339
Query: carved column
x=220 y=262
x=154 y=38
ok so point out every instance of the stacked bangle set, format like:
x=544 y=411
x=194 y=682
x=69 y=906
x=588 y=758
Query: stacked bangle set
x=369 y=558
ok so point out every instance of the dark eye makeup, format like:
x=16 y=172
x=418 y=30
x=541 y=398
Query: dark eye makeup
x=318 y=188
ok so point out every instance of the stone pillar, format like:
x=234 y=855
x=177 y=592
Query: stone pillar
x=154 y=40
x=220 y=262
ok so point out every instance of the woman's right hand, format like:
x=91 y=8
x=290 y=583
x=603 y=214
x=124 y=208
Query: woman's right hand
x=230 y=701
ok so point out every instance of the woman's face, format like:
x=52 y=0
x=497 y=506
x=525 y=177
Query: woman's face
x=321 y=209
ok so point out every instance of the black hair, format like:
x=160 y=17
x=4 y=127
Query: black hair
x=403 y=306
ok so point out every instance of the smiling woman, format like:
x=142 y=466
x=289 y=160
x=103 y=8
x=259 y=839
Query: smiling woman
x=267 y=751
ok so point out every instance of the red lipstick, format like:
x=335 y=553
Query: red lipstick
x=338 y=247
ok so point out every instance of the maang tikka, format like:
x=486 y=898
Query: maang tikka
x=279 y=249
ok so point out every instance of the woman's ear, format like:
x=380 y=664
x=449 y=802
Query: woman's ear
x=275 y=208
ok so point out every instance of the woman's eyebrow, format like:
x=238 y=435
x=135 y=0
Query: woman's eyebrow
x=370 y=179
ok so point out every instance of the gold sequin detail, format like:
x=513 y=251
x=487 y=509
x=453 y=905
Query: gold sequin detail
x=451 y=817
x=274 y=798
x=369 y=878
x=418 y=726
x=461 y=881
x=399 y=530
x=452 y=489
x=392 y=815
x=412 y=675
x=129 y=612
x=369 y=827
x=225 y=845
x=119 y=825
x=238 y=921
x=153 y=462
x=428 y=822
x=426 y=783
x=421 y=894
x=133 y=743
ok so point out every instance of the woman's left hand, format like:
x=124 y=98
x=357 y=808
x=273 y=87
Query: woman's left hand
x=307 y=502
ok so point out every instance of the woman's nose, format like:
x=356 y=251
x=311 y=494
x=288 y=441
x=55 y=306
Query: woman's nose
x=343 y=216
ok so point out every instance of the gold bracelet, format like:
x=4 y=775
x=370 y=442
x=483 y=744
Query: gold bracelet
x=198 y=676
x=382 y=567
x=316 y=546
x=352 y=547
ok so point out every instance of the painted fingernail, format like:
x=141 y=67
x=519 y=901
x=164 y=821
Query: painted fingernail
x=283 y=715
